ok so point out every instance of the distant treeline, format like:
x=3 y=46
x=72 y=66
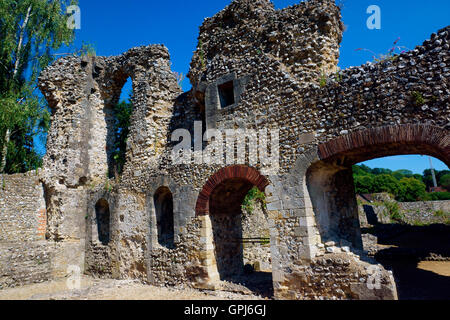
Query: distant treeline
x=404 y=185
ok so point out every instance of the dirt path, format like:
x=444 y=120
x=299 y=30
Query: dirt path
x=105 y=289
x=441 y=268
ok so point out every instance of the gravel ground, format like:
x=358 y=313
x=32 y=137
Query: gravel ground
x=106 y=289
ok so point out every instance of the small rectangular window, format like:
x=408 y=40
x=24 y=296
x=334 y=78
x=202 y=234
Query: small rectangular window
x=226 y=94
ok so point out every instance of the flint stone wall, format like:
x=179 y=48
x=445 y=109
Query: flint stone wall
x=419 y=212
x=276 y=60
x=25 y=256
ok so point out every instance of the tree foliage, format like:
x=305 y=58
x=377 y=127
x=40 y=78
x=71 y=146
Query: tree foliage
x=30 y=32
x=252 y=197
x=404 y=185
x=122 y=112
x=444 y=181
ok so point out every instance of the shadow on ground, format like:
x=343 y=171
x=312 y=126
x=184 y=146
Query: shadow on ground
x=258 y=283
x=405 y=248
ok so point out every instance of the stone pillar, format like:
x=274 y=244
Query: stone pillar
x=207 y=256
x=155 y=89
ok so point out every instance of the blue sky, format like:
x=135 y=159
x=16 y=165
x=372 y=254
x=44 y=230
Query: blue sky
x=114 y=26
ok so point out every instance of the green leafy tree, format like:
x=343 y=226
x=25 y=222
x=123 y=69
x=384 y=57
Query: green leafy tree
x=253 y=196
x=411 y=190
x=428 y=177
x=400 y=174
x=403 y=184
x=122 y=111
x=30 y=31
x=362 y=170
x=378 y=171
x=386 y=183
x=364 y=184
x=444 y=181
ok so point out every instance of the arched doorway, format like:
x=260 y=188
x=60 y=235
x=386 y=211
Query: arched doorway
x=221 y=201
x=330 y=184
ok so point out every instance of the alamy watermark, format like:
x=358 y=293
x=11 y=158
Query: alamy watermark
x=74 y=277
x=74 y=19
x=374 y=21
x=374 y=279
x=228 y=147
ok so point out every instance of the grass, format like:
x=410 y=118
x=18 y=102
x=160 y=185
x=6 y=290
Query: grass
x=393 y=210
x=441 y=214
x=323 y=80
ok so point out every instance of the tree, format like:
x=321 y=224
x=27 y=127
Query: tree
x=386 y=183
x=428 y=178
x=378 y=171
x=361 y=170
x=444 y=181
x=411 y=190
x=30 y=30
x=122 y=111
x=403 y=173
x=364 y=184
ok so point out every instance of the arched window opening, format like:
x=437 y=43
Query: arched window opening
x=122 y=111
x=163 y=201
x=102 y=216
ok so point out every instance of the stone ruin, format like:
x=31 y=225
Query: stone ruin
x=180 y=224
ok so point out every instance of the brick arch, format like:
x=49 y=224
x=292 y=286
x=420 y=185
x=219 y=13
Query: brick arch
x=232 y=172
x=384 y=141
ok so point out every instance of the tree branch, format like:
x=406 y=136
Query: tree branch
x=19 y=45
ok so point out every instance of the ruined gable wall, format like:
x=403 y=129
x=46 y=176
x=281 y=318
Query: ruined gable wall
x=82 y=93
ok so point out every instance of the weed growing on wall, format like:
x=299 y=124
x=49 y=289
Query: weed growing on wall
x=252 y=197
x=418 y=98
x=392 y=54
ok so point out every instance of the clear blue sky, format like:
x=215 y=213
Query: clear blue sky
x=114 y=26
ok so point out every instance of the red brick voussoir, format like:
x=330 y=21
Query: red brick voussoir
x=232 y=172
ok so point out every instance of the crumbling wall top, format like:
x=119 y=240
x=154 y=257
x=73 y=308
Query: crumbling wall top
x=304 y=38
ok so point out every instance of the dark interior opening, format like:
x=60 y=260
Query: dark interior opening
x=102 y=216
x=163 y=201
x=226 y=94
x=225 y=206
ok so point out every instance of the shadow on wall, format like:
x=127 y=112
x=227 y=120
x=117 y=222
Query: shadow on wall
x=226 y=219
x=332 y=194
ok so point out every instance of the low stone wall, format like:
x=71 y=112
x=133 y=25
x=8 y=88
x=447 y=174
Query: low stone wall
x=338 y=276
x=22 y=208
x=25 y=256
x=25 y=263
x=426 y=212
x=414 y=213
